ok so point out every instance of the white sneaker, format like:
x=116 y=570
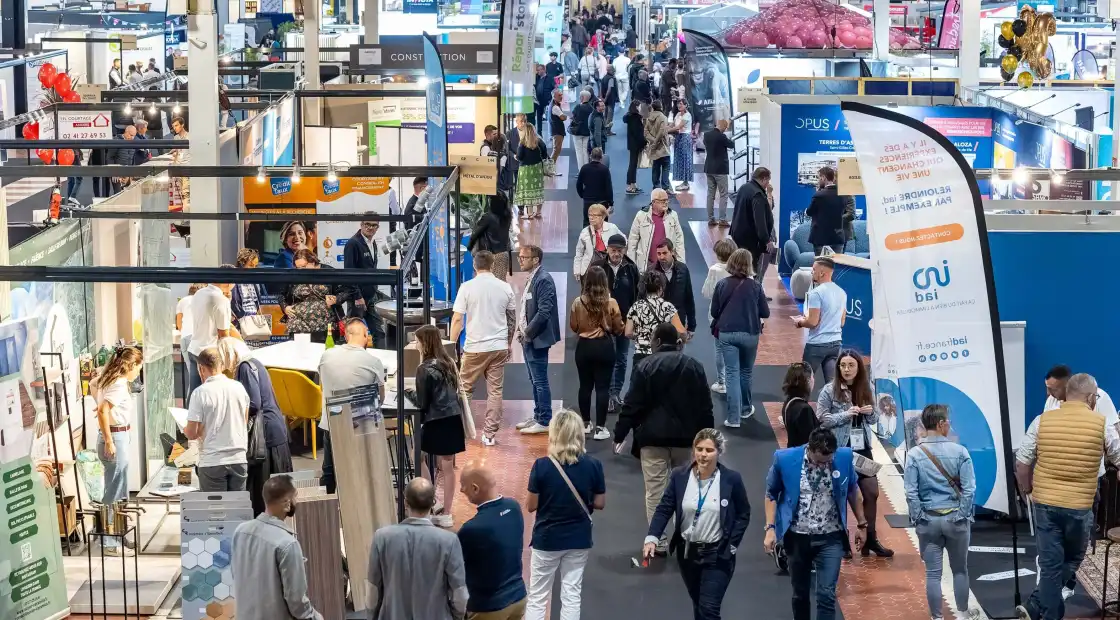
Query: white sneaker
x=489 y=441
x=445 y=521
x=971 y=614
x=588 y=428
x=731 y=424
x=601 y=434
x=119 y=551
x=534 y=429
x=525 y=424
x=1067 y=593
x=749 y=413
x=719 y=388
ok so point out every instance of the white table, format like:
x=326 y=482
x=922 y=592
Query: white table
x=305 y=356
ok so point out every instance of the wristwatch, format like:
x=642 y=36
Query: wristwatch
x=862 y=526
x=769 y=526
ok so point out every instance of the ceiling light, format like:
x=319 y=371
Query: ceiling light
x=1021 y=176
x=260 y=174
x=175 y=110
x=1056 y=178
x=332 y=177
x=152 y=109
x=295 y=174
x=128 y=108
x=423 y=82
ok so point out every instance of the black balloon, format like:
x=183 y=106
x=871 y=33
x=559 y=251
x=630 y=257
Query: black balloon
x=1019 y=27
x=1004 y=42
x=1005 y=76
x=1015 y=51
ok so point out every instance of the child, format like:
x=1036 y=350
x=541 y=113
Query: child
x=723 y=248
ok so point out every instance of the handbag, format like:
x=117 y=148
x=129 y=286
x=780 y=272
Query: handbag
x=643 y=159
x=571 y=487
x=716 y=315
x=954 y=481
x=468 y=418
x=256 y=451
x=255 y=326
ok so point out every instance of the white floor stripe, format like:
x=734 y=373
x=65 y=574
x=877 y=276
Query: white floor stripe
x=1007 y=574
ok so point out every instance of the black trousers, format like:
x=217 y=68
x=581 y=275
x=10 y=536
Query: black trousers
x=706 y=577
x=102 y=187
x=538 y=119
x=279 y=461
x=632 y=167
x=327 y=479
x=595 y=365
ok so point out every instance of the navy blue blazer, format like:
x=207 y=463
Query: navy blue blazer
x=734 y=511
x=542 y=316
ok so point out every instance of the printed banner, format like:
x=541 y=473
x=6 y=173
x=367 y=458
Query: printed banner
x=707 y=82
x=930 y=243
x=550 y=22
x=382 y=113
x=436 y=115
x=949 y=35
x=517 y=76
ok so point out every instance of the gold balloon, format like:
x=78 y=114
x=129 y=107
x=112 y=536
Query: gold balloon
x=1009 y=63
x=1006 y=31
x=1046 y=24
x=1043 y=68
x=1026 y=80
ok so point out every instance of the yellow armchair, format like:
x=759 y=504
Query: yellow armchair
x=300 y=399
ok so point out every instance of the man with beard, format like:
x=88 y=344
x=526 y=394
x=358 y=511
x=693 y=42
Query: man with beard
x=678 y=286
x=622 y=279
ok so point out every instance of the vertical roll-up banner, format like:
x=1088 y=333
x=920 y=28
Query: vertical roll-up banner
x=930 y=245
x=436 y=112
x=707 y=80
x=519 y=23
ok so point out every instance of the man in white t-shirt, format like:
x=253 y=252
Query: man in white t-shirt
x=210 y=322
x=489 y=307
x=219 y=416
x=826 y=308
x=184 y=322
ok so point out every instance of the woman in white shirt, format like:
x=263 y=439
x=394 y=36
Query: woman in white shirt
x=593 y=239
x=680 y=126
x=712 y=513
x=723 y=249
x=114 y=420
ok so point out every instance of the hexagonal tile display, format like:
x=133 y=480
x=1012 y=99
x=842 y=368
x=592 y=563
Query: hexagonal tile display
x=221 y=559
x=227 y=545
x=227 y=577
x=213 y=545
x=190 y=560
x=213 y=577
x=221 y=592
x=205 y=592
x=205 y=560
x=189 y=592
x=214 y=610
x=196 y=545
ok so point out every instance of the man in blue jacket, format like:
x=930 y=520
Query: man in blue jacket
x=538 y=328
x=808 y=492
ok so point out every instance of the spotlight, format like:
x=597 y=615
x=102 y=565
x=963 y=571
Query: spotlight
x=331 y=175
x=295 y=174
x=1021 y=176
x=152 y=109
x=423 y=82
x=260 y=174
x=128 y=108
x=1056 y=177
x=175 y=110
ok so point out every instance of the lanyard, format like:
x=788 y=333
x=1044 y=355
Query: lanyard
x=703 y=495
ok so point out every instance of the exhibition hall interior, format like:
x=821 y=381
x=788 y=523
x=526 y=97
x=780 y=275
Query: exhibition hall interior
x=528 y=309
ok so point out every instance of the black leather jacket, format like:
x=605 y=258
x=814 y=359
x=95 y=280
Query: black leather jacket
x=436 y=395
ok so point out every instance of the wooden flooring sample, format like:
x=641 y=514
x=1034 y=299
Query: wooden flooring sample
x=317 y=530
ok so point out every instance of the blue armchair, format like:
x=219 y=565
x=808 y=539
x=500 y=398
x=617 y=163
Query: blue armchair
x=798 y=252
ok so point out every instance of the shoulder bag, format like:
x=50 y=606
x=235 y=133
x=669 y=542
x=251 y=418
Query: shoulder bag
x=954 y=481
x=255 y=326
x=723 y=306
x=256 y=451
x=571 y=487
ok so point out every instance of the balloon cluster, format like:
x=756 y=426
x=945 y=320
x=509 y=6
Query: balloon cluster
x=813 y=24
x=1026 y=40
x=62 y=88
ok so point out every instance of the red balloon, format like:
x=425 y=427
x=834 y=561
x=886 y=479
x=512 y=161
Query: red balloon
x=46 y=75
x=62 y=84
x=46 y=155
x=72 y=97
x=31 y=131
x=66 y=157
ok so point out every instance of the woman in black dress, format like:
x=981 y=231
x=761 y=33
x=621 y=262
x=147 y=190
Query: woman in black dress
x=797 y=414
x=441 y=414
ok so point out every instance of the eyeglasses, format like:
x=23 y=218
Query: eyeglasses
x=520 y=257
x=661 y=200
x=370 y=225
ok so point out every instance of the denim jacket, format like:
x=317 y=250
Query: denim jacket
x=928 y=490
x=832 y=411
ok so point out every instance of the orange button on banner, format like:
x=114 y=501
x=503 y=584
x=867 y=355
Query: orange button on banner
x=924 y=236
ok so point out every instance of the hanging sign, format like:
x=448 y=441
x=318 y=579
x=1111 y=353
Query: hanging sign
x=477 y=174
x=748 y=100
x=96 y=125
x=382 y=113
x=90 y=93
x=848 y=180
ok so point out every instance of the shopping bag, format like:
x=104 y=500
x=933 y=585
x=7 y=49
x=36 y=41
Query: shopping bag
x=643 y=160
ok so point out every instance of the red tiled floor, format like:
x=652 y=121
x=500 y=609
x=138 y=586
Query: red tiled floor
x=550 y=231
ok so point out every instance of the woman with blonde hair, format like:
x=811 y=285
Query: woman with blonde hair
x=531 y=154
x=592 y=242
x=239 y=364
x=565 y=487
x=115 y=410
x=442 y=433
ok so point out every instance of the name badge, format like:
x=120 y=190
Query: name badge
x=857 y=438
x=723 y=503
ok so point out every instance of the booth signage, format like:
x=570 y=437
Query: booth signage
x=280 y=186
x=517 y=74
x=179 y=63
x=96 y=125
x=749 y=100
x=419 y=6
x=128 y=42
x=477 y=174
x=708 y=80
x=929 y=242
x=438 y=223
x=90 y=93
x=848 y=180
x=382 y=113
x=458 y=58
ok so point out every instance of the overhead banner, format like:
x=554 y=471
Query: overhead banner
x=436 y=115
x=519 y=22
x=707 y=80
x=929 y=240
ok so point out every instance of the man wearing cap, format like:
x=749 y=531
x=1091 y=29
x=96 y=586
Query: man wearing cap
x=622 y=279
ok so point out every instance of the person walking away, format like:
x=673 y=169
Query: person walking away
x=611 y=94
x=538 y=328
x=542 y=95
x=529 y=195
x=238 y=364
x=826 y=210
x=592 y=241
x=488 y=305
x=651 y=225
x=621 y=65
x=115 y=412
x=580 y=127
x=595 y=319
x=753 y=220
x=717 y=167
x=683 y=151
x=678 y=285
x=1056 y=465
x=565 y=487
x=343 y=368
x=269 y=570
x=492 y=233
x=826 y=310
x=622 y=279
x=598 y=126
x=218 y=415
x=556 y=129
x=211 y=320
x=798 y=416
x=738 y=310
x=808 y=492
x=648 y=312
x=712 y=500
x=667 y=404
x=571 y=67
x=940 y=489
x=492 y=542
x=846 y=406
x=635 y=144
x=594 y=185
x=442 y=432
x=416 y=569
x=723 y=249
x=656 y=130
x=580 y=38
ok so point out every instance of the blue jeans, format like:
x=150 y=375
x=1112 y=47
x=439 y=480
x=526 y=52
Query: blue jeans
x=115 y=474
x=1061 y=535
x=706 y=577
x=536 y=361
x=72 y=186
x=739 y=350
x=822 y=552
x=822 y=356
x=659 y=173
x=721 y=367
x=937 y=534
x=621 y=357
x=194 y=380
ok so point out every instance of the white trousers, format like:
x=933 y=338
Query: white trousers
x=543 y=568
x=579 y=145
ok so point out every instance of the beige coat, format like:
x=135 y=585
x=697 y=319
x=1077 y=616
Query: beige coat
x=656 y=129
